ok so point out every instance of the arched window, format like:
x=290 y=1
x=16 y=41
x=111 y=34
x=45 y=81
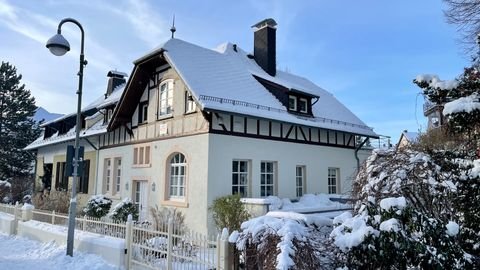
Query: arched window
x=178 y=176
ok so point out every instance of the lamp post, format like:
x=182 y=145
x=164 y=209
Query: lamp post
x=58 y=46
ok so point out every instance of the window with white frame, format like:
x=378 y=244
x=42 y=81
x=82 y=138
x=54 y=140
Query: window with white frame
x=141 y=156
x=143 y=112
x=107 y=180
x=118 y=174
x=240 y=177
x=300 y=180
x=190 y=105
x=333 y=174
x=267 y=178
x=292 y=103
x=165 y=98
x=177 y=175
x=302 y=105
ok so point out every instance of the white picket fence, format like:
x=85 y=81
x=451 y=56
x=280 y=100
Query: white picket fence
x=168 y=247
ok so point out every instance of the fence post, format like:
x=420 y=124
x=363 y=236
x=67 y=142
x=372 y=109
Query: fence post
x=84 y=223
x=170 y=243
x=15 y=218
x=27 y=212
x=219 y=252
x=128 y=241
x=225 y=257
x=53 y=217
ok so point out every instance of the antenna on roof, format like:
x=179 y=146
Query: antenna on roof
x=173 y=29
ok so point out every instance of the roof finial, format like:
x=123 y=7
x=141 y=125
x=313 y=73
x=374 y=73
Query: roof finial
x=173 y=29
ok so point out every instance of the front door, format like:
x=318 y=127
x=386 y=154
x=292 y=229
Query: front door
x=140 y=199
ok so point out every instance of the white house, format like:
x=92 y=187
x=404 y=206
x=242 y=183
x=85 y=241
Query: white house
x=194 y=124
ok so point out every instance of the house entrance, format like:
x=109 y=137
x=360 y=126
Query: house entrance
x=140 y=198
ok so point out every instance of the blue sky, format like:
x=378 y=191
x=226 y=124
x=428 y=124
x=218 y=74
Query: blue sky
x=365 y=52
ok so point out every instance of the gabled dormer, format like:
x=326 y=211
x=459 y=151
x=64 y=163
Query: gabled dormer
x=293 y=100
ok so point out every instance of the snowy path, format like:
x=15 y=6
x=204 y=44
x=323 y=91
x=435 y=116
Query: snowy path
x=18 y=253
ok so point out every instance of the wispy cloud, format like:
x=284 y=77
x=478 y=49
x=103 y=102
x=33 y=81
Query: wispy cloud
x=40 y=28
x=149 y=26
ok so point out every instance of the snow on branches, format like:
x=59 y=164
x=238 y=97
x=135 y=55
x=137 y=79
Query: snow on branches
x=412 y=212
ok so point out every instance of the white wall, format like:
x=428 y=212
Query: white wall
x=317 y=159
x=7 y=223
x=195 y=149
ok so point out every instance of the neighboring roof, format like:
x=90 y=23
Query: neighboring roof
x=411 y=136
x=227 y=73
x=113 y=97
x=95 y=129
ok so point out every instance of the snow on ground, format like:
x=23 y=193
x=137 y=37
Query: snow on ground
x=18 y=253
x=307 y=203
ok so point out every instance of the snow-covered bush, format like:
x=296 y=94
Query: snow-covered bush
x=97 y=206
x=285 y=240
x=229 y=212
x=409 y=213
x=124 y=208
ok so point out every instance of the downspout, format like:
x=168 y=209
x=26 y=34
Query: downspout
x=356 y=153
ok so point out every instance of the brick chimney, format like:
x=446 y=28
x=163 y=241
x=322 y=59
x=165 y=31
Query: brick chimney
x=115 y=78
x=264 y=45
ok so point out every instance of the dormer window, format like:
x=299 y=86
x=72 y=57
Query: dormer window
x=299 y=104
x=303 y=105
x=292 y=103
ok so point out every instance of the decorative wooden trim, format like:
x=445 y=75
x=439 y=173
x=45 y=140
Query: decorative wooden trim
x=245 y=124
x=303 y=134
x=220 y=132
x=159 y=139
x=258 y=126
x=288 y=132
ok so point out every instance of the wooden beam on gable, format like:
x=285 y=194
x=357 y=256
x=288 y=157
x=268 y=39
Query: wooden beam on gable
x=137 y=82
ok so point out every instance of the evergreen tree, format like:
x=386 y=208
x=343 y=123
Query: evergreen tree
x=17 y=127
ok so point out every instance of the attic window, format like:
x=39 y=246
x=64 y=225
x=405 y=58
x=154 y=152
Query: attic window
x=292 y=103
x=302 y=105
x=299 y=104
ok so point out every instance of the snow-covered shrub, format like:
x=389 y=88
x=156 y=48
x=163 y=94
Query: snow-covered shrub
x=124 y=208
x=408 y=213
x=229 y=212
x=285 y=240
x=97 y=206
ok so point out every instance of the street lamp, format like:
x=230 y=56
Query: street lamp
x=59 y=46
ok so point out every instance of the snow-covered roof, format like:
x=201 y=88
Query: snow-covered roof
x=113 y=97
x=226 y=74
x=97 y=128
x=411 y=136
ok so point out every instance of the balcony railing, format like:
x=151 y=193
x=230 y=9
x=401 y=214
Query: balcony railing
x=266 y=108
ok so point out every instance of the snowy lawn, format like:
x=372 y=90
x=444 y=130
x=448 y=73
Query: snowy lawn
x=18 y=253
